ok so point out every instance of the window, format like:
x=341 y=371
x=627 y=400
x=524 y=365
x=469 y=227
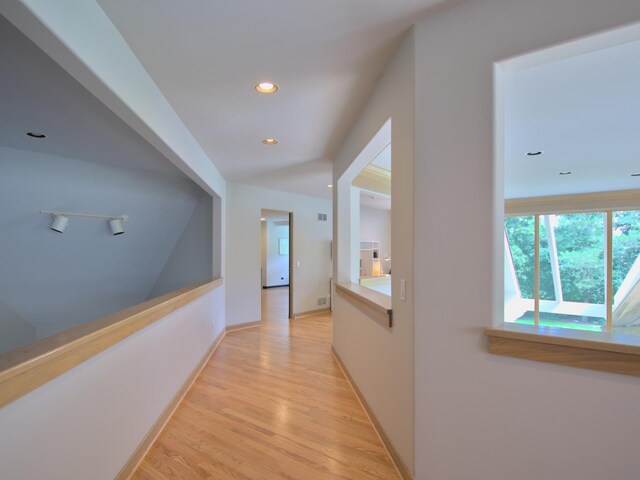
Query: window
x=363 y=248
x=574 y=270
x=572 y=203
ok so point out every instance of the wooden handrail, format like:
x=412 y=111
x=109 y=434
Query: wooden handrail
x=25 y=369
x=375 y=304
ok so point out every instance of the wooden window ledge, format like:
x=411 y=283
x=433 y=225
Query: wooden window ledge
x=617 y=353
x=26 y=368
x=375 y=304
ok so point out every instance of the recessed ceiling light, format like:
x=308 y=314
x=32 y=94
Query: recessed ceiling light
x=635 y=174
x=535 y=154
x=565 y=173
x=269 y=141
x=262 y=219
x=36 y=135
x=267 y=87
x=330 y=186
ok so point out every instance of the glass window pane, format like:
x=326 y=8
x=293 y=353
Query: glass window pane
x=580 y=244
x=519 y=267
x=626 y=272
x=556 y=320
x=581 y=248
x=520 y=233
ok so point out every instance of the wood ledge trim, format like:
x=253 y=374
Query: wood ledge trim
x=310 y=313
x=590 y=350
x=25 y=369
x=372 y=303
x=242 y=326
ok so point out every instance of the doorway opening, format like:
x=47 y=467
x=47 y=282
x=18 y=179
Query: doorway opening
x=276 y=269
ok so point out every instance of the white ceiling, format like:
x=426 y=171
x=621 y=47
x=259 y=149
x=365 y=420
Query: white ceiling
x=375 y=200
x=325 y=56
x=584 y=113
x=37 y=95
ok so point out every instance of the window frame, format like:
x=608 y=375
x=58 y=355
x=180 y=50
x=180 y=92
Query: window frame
x=604 y=351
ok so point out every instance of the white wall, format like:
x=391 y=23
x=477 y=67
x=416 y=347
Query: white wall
x=478 y=415
x=277 y=265
x=87 y=422
x=311 y=247
x=380 y=360
x=375 y=225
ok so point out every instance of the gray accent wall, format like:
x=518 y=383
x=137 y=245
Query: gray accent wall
x=191 y=260
x=14 y=330
x=38 y=95
x=56 y=281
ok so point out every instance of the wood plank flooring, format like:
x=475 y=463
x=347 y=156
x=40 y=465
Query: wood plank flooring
x=271 y=403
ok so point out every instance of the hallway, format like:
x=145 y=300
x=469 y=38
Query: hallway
x=271 y=403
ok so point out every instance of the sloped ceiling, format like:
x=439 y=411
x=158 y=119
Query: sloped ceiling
x=90 y=162
x=582 y=112
x=37 y=95
x=326 y=56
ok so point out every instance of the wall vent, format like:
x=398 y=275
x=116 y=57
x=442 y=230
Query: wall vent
x=322 y=301
x=322 y=217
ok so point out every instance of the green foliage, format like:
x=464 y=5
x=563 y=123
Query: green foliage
x=520 y=233
x=580 y=243
x=626 y=244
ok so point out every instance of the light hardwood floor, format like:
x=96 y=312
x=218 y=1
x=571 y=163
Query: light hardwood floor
x=271 y=403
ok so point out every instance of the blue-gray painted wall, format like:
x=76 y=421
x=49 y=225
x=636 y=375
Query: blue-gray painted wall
x=57 y=281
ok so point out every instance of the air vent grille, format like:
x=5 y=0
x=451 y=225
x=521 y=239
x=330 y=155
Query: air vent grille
x=322 y=301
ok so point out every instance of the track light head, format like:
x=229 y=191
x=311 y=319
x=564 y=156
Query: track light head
x=61 y=219
x=116 y=225
x=59 y=223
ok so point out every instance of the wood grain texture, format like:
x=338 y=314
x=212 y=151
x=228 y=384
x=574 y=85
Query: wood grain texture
x=24 y=369
x=374 y=179
x=612 y=342
x=596 y=351
x=374 y=304
x=272 y=403
x=311 y=313
x=602 y=360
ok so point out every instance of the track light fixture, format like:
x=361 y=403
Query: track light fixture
x=116 y=226
x=61 y=219
x=59 y=223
